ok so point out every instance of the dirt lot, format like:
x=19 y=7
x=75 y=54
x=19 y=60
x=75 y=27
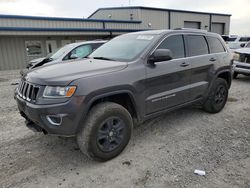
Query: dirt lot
x=163 y=152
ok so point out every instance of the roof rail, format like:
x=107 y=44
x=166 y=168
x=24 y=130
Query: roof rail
x=191 y=29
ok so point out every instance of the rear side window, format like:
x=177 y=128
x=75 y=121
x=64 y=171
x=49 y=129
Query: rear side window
x=244 y=39
x=196 y=45
x=215 y=45
x=229 y=39
x=174 y=43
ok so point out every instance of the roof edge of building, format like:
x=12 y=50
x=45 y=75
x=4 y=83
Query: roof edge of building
x=67 y=29
x=159 y=9
x=66 y=19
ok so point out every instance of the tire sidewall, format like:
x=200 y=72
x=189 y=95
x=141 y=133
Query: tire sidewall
x=218 y=83
x=87 y=139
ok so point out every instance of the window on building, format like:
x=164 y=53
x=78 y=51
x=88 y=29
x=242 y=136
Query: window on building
x=33 y=48
x=197 y=45
x=175 y=44
x=215 y=45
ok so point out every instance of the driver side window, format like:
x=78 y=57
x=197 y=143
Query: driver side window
x=82 y=51
x=175 y=44
x=79 y=52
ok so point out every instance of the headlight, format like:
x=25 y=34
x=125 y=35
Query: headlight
x=58 y=92
x=236 y=57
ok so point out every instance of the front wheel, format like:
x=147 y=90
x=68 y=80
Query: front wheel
x=217 y=96
x=106 y=131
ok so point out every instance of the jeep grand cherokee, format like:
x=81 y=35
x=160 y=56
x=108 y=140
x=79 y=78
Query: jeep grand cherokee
x=132 y=78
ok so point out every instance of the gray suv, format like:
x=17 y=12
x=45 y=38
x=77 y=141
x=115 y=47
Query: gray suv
x=132 y=78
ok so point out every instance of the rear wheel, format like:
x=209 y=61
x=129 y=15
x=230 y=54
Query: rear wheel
x=106 y=131
x=217 y=96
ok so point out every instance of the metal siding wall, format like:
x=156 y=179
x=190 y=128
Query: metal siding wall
x=158 y=19
x=13 y=53
x=178 y=18
x=6 y=22
x=122 y=26
x=48 y=33
x=121 y=14
x=222 y=19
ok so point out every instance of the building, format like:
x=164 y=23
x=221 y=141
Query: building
x=18 y=34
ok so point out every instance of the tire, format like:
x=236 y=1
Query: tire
x=217 y=97
x=105 y=132
x=235 y=75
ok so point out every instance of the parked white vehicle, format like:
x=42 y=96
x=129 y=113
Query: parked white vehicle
x=241 y=64
x=235 y=42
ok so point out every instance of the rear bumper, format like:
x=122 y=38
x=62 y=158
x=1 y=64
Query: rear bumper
x=240 y=67
x=68 y=116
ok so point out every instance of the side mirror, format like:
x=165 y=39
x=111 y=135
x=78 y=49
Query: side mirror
x=242 y=45
x=73 y=56
x=160 y=55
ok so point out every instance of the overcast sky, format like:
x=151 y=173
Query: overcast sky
x=240 y=9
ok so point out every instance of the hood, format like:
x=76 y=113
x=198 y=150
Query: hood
x=34 y=62
x=38 y=60
x=243 y=50
x=64 y=73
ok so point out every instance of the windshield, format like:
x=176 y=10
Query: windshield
x=61 y=51
x=123 y=48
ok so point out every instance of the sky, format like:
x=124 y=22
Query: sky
x=240 y=9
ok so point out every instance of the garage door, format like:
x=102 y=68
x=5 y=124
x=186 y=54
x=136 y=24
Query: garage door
x=218 y=28
x=195 y=25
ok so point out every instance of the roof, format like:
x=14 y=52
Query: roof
x=90 y=42
x=65 y=19
x=32 y=29
x=157 y=9
x=178 y=30
x=152 y=32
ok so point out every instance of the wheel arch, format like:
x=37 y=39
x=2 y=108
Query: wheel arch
x=125 y=98
x=226 y=75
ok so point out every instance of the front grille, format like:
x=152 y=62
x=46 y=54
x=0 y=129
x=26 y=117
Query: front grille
x=247 y=60
x=244 y=58
x=28 y=91
x=242 y=67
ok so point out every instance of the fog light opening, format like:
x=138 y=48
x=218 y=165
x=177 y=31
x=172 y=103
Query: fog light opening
x=54 y=119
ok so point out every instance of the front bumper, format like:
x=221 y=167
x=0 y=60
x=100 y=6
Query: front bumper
x=23 y=71
x=37 y=119
x=241 y=67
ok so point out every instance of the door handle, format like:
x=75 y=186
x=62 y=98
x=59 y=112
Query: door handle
x=184 y=64
x=212 y=59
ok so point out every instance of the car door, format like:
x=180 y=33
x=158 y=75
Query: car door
x=167 y=81
x=201 y=63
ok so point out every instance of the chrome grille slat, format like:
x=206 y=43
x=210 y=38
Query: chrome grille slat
x=21 y=89
x=247 y=59
x=28 y=91
x=24 y=90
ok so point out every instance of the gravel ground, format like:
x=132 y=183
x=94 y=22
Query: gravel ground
x=163 y=152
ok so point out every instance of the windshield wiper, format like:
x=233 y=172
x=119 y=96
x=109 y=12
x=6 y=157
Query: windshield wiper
x=104 y=58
